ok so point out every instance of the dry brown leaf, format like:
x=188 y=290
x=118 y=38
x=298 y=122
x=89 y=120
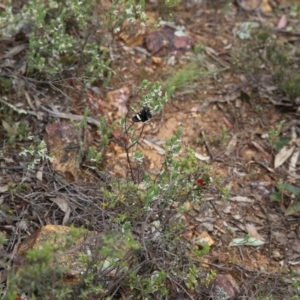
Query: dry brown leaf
x=66 y=217
x=231 y=145
x=8 y=128
x=201 y=157
x=265 y=154
x=251 y=229
x=159 y=150
x=293 y=164
x=39 y=173
x=31 y=105
x=241 y=199
x=64 y=206
x=282 y=156
x=282 y=22
x=15 y=50
x=4 y=188
x=62 y=203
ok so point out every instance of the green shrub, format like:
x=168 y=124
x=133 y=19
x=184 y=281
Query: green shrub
x=64 y=38
x=264 y=59
x=39 y=279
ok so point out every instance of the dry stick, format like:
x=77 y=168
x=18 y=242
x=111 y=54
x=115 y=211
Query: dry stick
x=210 y=52
x=129 y=163
x=215 y=209
x=241 y=253
x=59 y=90
x=127 y=150
x=238 y=266
x=207 y=145
x=69 y=116
x=127 y=153
x=15 y=168
x=178 y=284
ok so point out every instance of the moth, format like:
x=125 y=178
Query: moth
x=143 y=116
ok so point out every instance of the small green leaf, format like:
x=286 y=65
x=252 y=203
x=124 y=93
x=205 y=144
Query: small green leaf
x=292 y=189
x=284 y=140
x=293 y=208
x=245 y=97
x=275 y=196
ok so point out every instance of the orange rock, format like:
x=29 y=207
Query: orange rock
x=157 y=60
x=203 y=238
x=118 y=98
x=67 y=146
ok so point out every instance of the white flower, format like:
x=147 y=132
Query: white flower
x=128 y=11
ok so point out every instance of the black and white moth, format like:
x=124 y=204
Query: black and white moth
x=143 y=116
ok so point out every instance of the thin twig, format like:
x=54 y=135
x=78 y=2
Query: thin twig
x=181 y=287
x=207 y=145
x=127 y=153
x=70 y=116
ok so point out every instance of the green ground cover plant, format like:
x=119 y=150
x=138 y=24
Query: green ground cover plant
x=265 y=60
